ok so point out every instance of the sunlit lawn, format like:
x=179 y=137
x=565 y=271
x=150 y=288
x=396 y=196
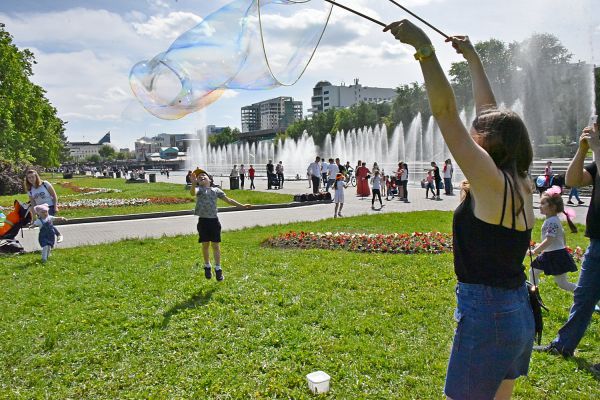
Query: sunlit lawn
x=137 y=319
x=158 y=190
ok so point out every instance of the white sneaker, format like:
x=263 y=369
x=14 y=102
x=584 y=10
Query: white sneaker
x=59 y=238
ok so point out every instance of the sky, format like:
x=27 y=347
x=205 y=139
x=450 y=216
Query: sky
x=86 y=49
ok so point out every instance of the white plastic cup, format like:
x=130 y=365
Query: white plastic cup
x=318 y=382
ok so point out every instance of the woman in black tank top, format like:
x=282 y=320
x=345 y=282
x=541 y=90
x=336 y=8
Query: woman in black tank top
x=492 y=228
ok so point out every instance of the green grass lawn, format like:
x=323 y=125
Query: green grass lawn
x=129 y=191
x=137 y=319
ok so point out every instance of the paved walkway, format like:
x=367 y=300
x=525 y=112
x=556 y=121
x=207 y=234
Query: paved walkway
x=106 y=232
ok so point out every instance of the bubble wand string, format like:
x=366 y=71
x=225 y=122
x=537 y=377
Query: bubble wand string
x=420 y=19
x=356 y=12
x=381 y=23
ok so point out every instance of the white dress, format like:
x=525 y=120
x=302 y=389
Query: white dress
x=339 y=192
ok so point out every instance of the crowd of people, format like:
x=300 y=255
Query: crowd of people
x=322 y=174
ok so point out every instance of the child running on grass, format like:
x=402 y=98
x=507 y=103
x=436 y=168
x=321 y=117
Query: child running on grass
x=209 y=227
x=554 y=259
x=47 y=235
x=338 y=197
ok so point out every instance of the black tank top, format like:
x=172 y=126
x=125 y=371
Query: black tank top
x=489 y=254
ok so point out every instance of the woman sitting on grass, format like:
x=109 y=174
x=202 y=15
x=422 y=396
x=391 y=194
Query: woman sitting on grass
x=491 y=227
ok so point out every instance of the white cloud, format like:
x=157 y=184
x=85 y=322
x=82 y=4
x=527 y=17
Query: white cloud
x=169 y=26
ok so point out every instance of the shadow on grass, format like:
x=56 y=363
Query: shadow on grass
x=588 y=367
x=199 y=299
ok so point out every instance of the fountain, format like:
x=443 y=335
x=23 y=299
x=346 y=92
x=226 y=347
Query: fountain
x=558 y=104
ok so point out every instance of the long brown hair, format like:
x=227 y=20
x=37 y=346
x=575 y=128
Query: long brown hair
x=38 y=180
x=505 y=138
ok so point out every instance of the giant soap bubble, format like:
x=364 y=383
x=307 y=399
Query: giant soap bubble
x=247 y=44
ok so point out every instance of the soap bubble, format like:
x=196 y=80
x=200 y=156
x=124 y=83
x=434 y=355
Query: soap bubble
x=247 y=44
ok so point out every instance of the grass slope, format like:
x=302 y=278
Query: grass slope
x=137 y=319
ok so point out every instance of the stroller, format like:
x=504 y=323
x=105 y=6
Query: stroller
x=541 y=183
x=392 y=190
x=15 y=220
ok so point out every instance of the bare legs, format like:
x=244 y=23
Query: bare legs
x=337 y=212
x=216 y=247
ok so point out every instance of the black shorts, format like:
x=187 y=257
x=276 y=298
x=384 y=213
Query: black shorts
x=209 y=230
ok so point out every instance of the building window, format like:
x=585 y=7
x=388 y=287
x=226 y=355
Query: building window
x=326 y=104
x=326 y=92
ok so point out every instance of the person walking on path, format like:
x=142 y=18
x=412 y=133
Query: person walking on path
x=270 y=173
x=362 y=180
x=404 y=182
x=242 y=175
x=47 y=235
x=376 y=183
x=279 y=171
x=209 y=227
x=324 y=172
x=574 y=193
x=429 y=185
x=549 y=173
x=42 y=192
x=554 y=259
x=338 y=197
x=314 y=171
x=587 y=292
x=437 y=179
x=332 y=171
x=251 y=172
x=448 y=171
x=491 y=229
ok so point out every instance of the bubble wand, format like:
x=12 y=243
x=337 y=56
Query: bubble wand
x=381 y=23
x=356 y=12
x=420 y=19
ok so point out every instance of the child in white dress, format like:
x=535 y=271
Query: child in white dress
x=553 y=258
x=338 y=197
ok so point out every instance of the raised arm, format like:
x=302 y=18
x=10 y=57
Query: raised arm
x=576 y=175
x=476 y=164
x=482 y=90
x=235 y=202
x=193 y=184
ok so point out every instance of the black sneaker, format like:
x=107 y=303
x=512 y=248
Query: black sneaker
x=219 y=274
x=580 y=202
x=552 y=349
x=207 y=273
x=569 y=202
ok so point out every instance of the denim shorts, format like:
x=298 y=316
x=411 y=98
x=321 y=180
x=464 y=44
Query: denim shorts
x=492 y=342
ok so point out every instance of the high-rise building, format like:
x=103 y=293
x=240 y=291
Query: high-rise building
x=273 y=114
x=326 y=96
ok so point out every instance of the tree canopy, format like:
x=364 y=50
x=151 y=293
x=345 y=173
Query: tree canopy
x=30 y=130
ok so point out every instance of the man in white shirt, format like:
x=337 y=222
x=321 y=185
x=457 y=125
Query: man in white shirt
x=314 y=171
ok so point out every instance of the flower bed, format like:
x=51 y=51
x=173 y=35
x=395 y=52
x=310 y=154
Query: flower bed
x=103 y=203
x=86 y=190
x=404 y=243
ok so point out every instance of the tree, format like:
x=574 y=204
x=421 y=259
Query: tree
x=411 y=100
x=30 y=131
x=106 y=152
x=226 y=136
x=94 y=158
x=597 y=88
